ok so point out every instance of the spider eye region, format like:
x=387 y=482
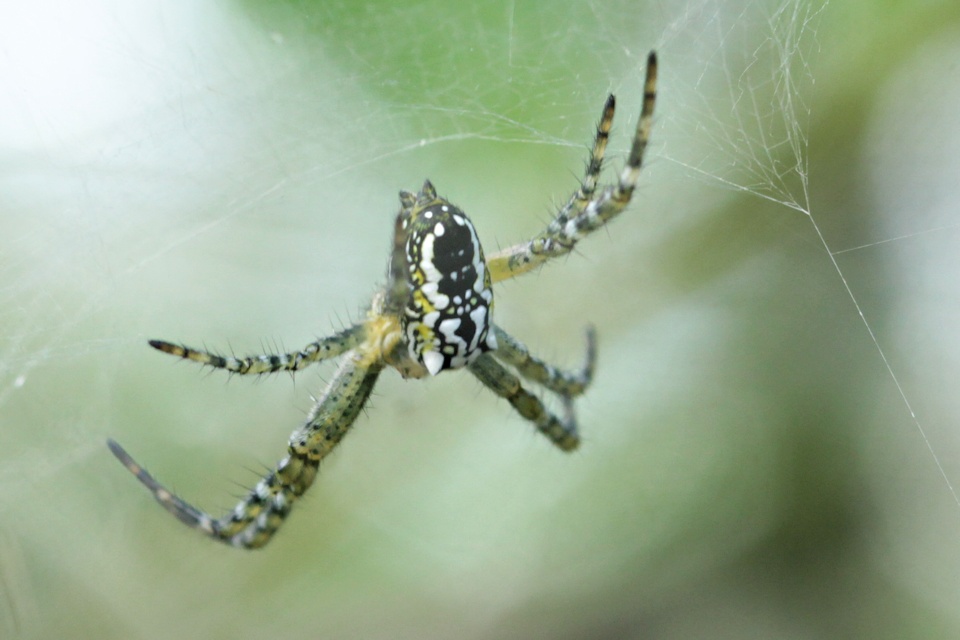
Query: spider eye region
x=447 y=317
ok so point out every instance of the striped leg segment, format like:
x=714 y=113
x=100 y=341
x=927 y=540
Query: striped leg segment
x=257 y=517
x=568 y=384
x=562 y=432
x=578 y=201
x=323 y=349
x=585 y=211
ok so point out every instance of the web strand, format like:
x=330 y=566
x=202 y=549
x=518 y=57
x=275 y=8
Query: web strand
x=886 y=364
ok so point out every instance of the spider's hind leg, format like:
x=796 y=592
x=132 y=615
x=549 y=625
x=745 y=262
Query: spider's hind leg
x=561 y=431
x=567 y=384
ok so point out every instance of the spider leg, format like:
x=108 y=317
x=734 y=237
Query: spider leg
x=397 y=289
x=567 y=384
x=323 y=349
x=591 y=176
x=585 y=212
x=257 y=517
x=562 y=432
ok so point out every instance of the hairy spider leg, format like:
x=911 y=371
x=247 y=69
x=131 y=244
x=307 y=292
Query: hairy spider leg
x=563 y=233
x=397 y=287
x=257 y=517
x=562 y=432
x=322 y=349
x=591 y=175
x=568 y=384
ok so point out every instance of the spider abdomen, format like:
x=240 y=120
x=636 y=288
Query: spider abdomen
x=446 y=321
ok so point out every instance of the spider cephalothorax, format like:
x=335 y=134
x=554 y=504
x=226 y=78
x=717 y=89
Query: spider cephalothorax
x=435 y=313
x=447 y=316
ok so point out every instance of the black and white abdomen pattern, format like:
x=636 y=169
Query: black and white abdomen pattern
x=447 y=319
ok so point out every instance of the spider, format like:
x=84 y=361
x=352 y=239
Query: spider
x=433 y=314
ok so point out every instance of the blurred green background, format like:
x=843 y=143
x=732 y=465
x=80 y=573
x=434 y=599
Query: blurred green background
x=759 y=462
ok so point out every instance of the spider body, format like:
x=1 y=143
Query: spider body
x=434 y=313
x=446 y=320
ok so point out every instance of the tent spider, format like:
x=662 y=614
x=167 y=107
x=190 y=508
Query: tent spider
x=433 y=314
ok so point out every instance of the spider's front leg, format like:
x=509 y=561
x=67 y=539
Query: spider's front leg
x=323 y=349
x=585 y=211
x=257 y=517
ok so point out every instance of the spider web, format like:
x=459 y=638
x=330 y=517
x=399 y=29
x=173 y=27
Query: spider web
x=775 y=314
